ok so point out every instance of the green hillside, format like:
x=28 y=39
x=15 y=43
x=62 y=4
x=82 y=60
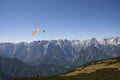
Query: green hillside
x=98 y=70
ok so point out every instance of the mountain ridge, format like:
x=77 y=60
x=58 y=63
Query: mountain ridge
x=94 y=66
x=62 y=52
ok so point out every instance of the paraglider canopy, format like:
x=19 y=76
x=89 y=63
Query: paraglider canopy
x=35 y=31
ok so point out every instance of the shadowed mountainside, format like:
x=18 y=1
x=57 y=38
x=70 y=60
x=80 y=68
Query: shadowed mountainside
x=12 y=67
x=99 y=70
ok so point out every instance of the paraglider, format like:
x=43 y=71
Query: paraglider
x=37 y=30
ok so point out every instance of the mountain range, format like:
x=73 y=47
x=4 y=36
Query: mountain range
x=62 y=52
x=53 y=56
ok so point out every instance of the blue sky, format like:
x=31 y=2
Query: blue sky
x=62 y=19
